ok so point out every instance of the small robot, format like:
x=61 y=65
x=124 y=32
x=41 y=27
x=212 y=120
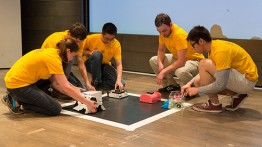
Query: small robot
x=93 y=96
x=150 y=97
x=117 y=93
x=176 y=99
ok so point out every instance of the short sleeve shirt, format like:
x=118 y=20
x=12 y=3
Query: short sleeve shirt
x=111 y=50
x=227 y=55
x=33 y=66
x=177 y=41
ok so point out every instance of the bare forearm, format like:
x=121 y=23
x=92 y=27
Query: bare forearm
x=161 y=56
x=119 y=71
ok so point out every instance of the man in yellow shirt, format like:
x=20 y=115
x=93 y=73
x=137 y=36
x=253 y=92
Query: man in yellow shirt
x=77 y=32
x=98 y=50
x=183 y=60
x=229 y=70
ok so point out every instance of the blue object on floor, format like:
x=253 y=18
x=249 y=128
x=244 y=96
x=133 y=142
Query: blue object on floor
x=165 y=104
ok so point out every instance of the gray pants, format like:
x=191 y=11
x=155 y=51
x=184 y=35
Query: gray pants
x=184 y=74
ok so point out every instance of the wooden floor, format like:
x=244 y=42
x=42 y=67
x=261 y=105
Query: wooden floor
x=184 y=128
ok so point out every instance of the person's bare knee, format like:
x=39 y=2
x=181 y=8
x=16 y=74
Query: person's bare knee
x=207 y=70
x=197 y=81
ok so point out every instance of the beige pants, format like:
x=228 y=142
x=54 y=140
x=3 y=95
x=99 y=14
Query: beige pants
x=238 y=82
x=184 y=74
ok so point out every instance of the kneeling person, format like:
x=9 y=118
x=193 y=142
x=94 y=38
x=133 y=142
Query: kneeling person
x=183 y=60
x=229 y=70
x=42 y=64
x=99 y=49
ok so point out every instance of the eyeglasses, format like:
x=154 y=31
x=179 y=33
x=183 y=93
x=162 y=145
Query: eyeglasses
x=107 y=39
x=193 y=45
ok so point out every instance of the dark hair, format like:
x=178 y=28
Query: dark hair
x=78 y=31
x=199 y=32
x=162 y=18
x=63 y=45
x=109 y=28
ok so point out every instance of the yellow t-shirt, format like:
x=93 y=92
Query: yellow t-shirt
x=53 y=39
x=110 y=50
x=177 y=41
x=33 y=66
x=227 y=55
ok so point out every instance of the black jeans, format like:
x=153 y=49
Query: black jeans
x=35 y=99
x=71 y=77
x=101 y=73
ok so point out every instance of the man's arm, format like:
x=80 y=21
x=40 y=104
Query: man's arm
x=179 y=62
x=161 y=56
x=119 y=70
x=83 y=72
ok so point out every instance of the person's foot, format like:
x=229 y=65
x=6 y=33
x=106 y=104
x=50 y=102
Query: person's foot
x=169 y=88
x=236 y=101
x=208 y=107
x=11 y=104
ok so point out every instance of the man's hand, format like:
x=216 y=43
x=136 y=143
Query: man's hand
x=192 y=91
x=184 y=88
x=120 y=85
x=159 y=78
x=188 y=90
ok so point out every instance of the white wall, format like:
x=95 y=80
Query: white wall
x=10 y=32
x=238 y=19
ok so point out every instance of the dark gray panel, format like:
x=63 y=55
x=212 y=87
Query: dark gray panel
x=140 y=43
x=40 y=18
x=34 y=8
x=38 y=23
x=137 y=61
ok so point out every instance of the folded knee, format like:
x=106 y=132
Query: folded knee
x=55 y=112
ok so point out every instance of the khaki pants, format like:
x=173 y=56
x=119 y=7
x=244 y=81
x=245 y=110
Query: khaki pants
x=238 y=82
x=184 y=74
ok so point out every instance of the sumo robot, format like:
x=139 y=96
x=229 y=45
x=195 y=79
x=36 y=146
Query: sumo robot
x=117 y=93
x=93 y=96
x=150 y=97
x=176 y=99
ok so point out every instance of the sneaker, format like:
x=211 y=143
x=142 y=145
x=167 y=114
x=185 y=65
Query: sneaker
x=169 y=88
x=11 y=104
x=236 y=101
x=207 y=107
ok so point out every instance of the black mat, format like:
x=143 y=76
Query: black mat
x=126 y=111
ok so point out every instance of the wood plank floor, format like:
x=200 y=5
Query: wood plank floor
x=184 y=128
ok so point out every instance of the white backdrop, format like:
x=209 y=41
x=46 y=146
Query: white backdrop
x=10 y=32
x=238 y=19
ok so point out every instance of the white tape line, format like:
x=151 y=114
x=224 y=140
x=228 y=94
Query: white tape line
x=95 y=119
x=131 y=127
